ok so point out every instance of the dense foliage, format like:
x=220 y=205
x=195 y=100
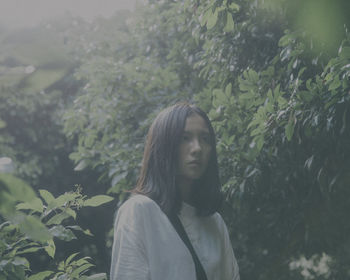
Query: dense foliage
x=30 y=224
x=273 y=76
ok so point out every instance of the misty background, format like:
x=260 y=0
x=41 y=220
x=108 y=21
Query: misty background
x=22 y=13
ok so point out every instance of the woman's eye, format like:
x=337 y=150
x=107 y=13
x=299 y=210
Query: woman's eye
x=205 y=138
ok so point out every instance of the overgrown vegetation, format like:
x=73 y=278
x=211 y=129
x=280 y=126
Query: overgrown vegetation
x=273 y=77
x=30 y=224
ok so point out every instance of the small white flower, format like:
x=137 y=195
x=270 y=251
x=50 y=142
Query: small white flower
x=29 y=69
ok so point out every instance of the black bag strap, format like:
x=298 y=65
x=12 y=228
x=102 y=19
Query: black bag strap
x=174 y=219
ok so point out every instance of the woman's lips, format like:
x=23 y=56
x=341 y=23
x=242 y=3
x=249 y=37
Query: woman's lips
x=194 y=163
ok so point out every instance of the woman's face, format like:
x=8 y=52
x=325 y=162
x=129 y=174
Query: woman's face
x=195 y=149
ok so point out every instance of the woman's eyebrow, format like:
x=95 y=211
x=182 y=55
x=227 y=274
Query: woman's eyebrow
x=201 y=131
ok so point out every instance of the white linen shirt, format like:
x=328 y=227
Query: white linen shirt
x=147 y=247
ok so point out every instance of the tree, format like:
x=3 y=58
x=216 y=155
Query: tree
x=273 y=76
x=271 y=95
x=37 y=84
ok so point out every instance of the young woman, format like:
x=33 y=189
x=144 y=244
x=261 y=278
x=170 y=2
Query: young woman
x=169 y=228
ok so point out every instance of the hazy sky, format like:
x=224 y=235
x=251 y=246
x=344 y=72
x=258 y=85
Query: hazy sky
x=21 y=13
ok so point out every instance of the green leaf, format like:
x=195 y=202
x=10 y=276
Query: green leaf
x=50 y=248
x=58 y=218
x=289 y=128
x=99 y=276
x=62 y=233
x=309 y=85
x=335 y=83
x=228 y=89
x=81 y=269
x=306 y=96
x=35 y=205
x=18 y=189
x=212 y=19
x=81 y=165
x=257 y=131
x=62 y=200
x=116 y=179
x=330 y=103
x=245 y=86
x=41 y=275
x=29 y=250
x=71 y=213
x=281 y=102
x=260 y=142
x=205 y=17
x=70 y=258
x=234 y=7
x=345 y=52
x=285 y=40
x=89 y=141
x=61 y=266
x=47 y=196
x=219 y=98
x=82 y=261
x=97 y=200
x=20 y=261
x=245 y=96
x=2 y=124
x=253 y=76
x=78 y=228
x=230 y=24
x=270 y=96
x=32 y=227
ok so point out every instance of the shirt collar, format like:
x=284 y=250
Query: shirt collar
x=187 y=210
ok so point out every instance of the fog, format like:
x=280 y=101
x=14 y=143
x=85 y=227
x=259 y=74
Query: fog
x=27 y=13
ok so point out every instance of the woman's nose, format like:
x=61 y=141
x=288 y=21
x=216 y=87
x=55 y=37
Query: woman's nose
x=196 y=145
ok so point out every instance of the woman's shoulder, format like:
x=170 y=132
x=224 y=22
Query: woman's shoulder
x=135 y=211
x=139 y=203
x=216 y=217
x=218 y=222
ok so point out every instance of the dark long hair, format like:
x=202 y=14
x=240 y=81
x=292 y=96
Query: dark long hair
x=158 y=176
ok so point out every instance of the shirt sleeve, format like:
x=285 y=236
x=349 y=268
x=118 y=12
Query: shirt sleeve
x=234 y=265
x=129 y=259
x=230 y=266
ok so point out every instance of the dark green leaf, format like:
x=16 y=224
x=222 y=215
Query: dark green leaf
x=98 y=200
x=62 y=233
x=41 y=275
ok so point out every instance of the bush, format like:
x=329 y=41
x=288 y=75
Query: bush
x=30 y=224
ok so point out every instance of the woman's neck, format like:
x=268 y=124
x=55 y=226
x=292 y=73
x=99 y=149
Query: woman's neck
x=186 y=190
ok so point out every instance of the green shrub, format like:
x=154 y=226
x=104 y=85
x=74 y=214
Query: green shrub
x=31 y=224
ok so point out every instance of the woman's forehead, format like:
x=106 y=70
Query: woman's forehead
x=195 y=123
